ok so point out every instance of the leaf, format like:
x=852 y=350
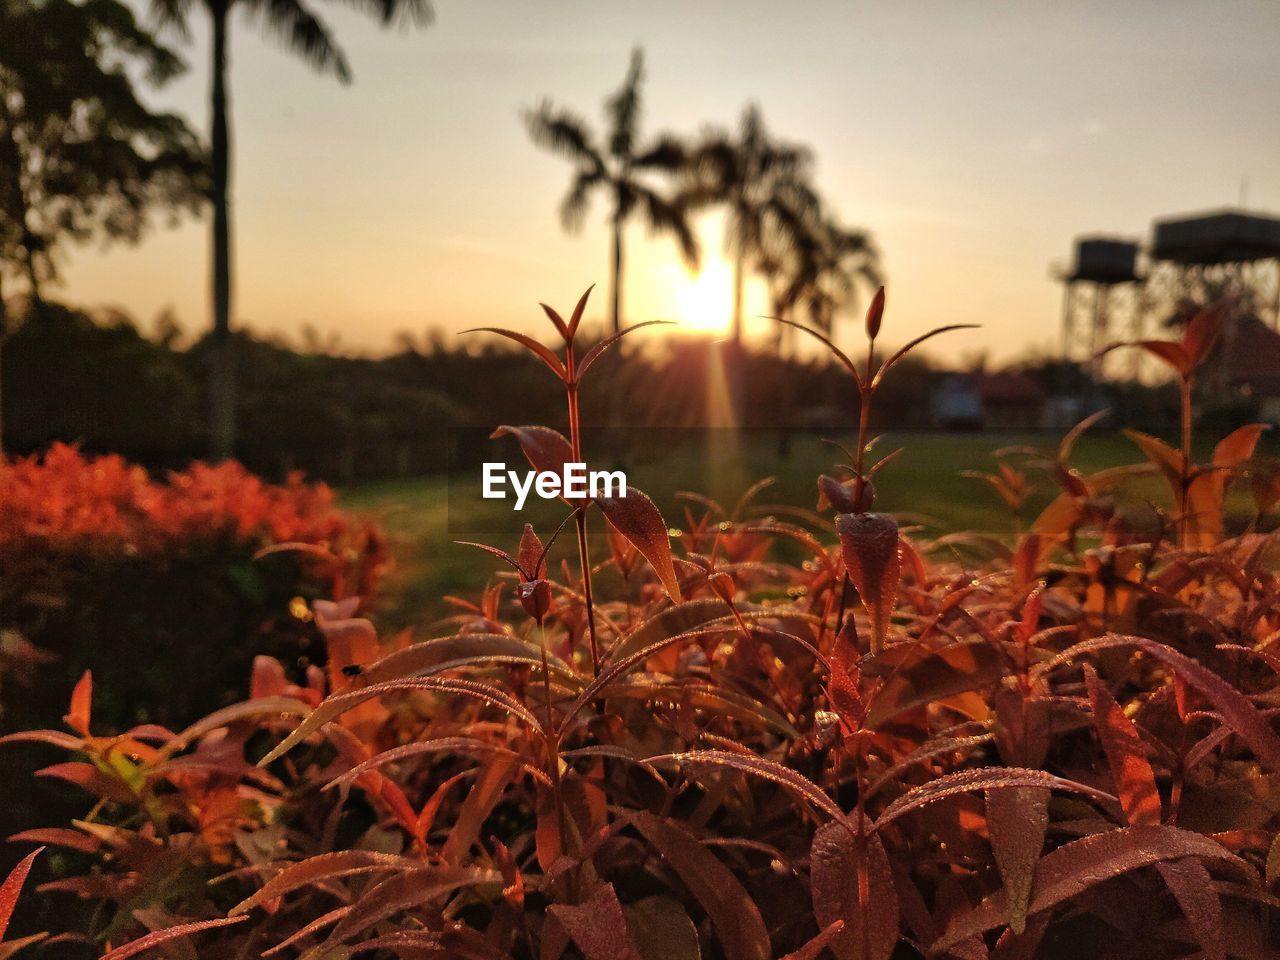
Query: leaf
x=983 y=778
x=1130 y=769
x=737 y=921
x=851 y=880
x=597 y=926
x=12 y=887
x=134 y=947
x=869 y=545
x=918 y=675
x=875 y=313
x=248 y=709
x=1241 y=715
x=1075 y=867
x=464 y=649
x=321 y=867
x=334 y=707
x=761 y=767
x=594 y=353
x=1162 y=456
x=1192 y=887
x=1174 y=354
x=889 y=364
x=409 y=888
x=546 y=450
x=1238 y=446
x=662 y=930
x=1016 y=822
x=638 y=519
x=1202 y=332
x=78 y=715
x=835 y=351
x=540 y=351
x=532 y=562
x=813 y=949
x=557 y=321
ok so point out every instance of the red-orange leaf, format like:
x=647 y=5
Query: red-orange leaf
x=737 y=921
x=81 y=709
x=597 y=926
x=638 y=519
x=12 y=886
x=1202 y=332
x=1236 y=709
x=1075 y=867
x=851 y=880
x=1135 y=783
x=1192 y=887
x=875 y=313
x=869 y=545
x=1016 y=821
x=539 y=350
x=134 y=947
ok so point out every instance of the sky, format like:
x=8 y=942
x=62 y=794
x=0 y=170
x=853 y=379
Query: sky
x=973 y=140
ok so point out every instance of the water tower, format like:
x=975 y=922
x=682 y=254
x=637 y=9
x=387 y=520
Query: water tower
x=1102 y=298
x=1203 y=257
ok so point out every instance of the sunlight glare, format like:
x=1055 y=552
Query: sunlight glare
x=705 y=301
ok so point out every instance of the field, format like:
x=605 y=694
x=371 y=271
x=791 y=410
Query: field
x=924 y=486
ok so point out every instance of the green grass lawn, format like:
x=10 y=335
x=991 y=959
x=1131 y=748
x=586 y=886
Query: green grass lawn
x=425 y=515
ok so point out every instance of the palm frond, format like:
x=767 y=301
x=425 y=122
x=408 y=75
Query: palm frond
x=573 y=209
x=667 y=154
x=623 y=108
x=668 y=216
x=172 y=15
x=305 y=34
x=564 y=132
x=418 y=13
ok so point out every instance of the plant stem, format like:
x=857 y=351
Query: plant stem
x=580 y=518
x=1184 y=483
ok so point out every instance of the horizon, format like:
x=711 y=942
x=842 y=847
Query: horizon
x=974 y=154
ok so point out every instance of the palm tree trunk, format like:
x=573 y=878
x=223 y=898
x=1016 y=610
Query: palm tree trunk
x=739 y=269
x=616 y=315
x=222 y=419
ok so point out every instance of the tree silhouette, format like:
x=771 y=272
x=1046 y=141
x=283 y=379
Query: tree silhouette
x=80 y=153
x=764 y=185
x=297 y=26
x=830 y=263
x=617 y=168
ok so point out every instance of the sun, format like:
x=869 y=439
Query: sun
x=705 y=302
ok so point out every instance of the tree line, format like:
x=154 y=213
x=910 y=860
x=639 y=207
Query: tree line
x=83 y=156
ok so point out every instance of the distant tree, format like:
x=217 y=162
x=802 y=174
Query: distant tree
x=305 y=34
x=831 y=262
x=617 y=168
x=765 y=188
x=80 y=153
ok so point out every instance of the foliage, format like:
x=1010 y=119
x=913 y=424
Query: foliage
x=80 y=153
x=623 y=168
x=95 y=554
x=1066 y=747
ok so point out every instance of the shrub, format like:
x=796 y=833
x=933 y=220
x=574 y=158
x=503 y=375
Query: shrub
x=98 y=561
x=1064 y=748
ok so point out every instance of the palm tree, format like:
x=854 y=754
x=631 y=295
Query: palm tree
x=617 y=168
x=830 y=262
x=765 y=186
x=305 y=34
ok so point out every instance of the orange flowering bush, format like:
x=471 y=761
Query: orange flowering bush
x=1061 y=745
x=99 y=562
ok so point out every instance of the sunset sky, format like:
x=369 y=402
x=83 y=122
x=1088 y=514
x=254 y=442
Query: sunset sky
x=973 y=140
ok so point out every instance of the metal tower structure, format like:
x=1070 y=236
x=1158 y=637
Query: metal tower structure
x=1102 y=292
x=1204 y=257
